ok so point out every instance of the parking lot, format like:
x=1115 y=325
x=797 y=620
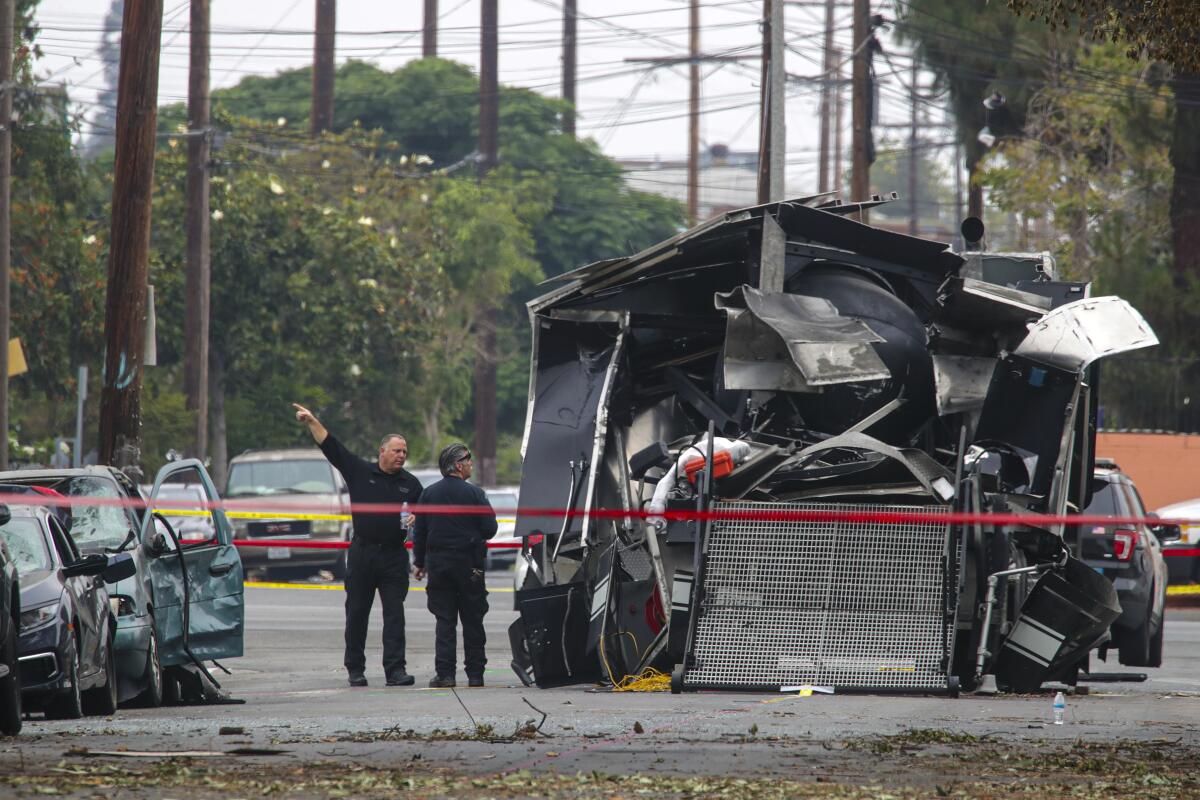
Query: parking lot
x=299 y=717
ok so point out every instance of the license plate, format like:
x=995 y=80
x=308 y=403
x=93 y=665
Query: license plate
x=279 y=552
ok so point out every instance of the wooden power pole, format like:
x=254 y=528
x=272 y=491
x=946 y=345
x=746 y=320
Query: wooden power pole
x=693 y=170
x=196 y=314
x=838 y=156
x=129 y=249
x=914 y=160
x=570 y=20
x=429 y=30
x=860 y=103
x=323 y=56
x=772 y=150
x=6 y=94
x=489 y=138
x=828 y=66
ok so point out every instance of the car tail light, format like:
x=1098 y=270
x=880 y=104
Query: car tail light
x=1123 y=544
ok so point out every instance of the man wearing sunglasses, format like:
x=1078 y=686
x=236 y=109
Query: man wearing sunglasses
x=451 y=549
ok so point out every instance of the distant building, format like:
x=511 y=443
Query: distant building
x=728 y=179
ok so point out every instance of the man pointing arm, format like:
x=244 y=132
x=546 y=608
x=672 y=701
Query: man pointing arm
x=378 y=558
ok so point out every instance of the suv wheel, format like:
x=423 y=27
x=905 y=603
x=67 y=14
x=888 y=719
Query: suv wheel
x=10 y=686
x=152 y=678
x=1135 y=647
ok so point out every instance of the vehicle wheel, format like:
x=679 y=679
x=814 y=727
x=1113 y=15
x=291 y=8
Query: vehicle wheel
x=102 y=701
x=1135 y=648
x=1156 y=645
x=152 y=695
x=69 y=703
x=10 y=687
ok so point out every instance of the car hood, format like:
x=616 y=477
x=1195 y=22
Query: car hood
x=40 y=587
x=269 y=502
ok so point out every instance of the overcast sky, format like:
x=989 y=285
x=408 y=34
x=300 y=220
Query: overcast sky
x=630 y=109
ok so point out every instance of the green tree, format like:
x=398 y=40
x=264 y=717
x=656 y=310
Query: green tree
x=1165 y=30
x=975 y=47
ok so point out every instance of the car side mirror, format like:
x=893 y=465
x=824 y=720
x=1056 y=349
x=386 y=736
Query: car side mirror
x=1166 y=532
x=119 y=567
x=93 y=564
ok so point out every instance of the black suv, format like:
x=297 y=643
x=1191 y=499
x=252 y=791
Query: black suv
x=1131 y=557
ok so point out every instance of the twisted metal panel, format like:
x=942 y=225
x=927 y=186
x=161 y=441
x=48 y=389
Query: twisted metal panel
x=849 y=605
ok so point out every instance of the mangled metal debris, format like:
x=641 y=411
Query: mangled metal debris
x=889 y=376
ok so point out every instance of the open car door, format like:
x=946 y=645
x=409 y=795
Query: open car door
x=198 y=606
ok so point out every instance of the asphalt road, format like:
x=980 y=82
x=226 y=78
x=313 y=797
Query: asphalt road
x=296 y=698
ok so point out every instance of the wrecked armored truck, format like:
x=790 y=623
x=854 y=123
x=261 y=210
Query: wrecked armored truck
x=778 y=436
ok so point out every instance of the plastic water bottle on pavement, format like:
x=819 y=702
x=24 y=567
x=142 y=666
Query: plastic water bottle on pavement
x=1060 y=708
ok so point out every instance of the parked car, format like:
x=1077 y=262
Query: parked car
x=298 y=475
x=1183 y=568
x=188 y=500
x=67 y=659
x=10 y=616
x=1131 y=557
x=151 y=605
x=504 y=502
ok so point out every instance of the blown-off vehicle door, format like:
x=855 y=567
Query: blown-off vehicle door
x=215 y=609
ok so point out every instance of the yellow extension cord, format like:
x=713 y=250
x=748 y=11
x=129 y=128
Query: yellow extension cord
x=651 y=680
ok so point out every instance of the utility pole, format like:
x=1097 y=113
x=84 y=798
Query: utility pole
x=6 y=94
x=489 y=137
x=772 y=147
x=693 y=170
x=323 y=55
x=827 y=69
x=570 y=20
x=196 y=315
x=129 y=249
x=913 y=160
x=837 y=123
x=429 y=32
x=860 y=107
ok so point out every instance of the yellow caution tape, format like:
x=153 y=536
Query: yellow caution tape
x=1188 y=589
x=335 y=587
x=199 y=512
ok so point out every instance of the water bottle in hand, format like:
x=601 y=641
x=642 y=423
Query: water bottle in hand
x=405 y=517
x=1060 y=708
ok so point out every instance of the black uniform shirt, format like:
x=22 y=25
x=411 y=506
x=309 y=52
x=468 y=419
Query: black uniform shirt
x=369 y=484
x=464 y=532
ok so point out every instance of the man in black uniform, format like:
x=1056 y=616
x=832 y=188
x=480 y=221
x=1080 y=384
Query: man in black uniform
x=378 y=558
x=455 y=547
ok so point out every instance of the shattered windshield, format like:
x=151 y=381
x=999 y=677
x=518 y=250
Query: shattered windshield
x=26 y=545
x=96 y=526
x=298 y=476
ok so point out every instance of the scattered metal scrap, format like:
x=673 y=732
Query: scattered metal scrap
x=880 y=372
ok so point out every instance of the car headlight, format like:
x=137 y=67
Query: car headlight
x=38 y=617
x=121 y=605
x=326 y=526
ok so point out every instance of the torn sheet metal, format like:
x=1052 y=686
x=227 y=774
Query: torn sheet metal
x=977 y=304
x=962 y=382
x=792 y=342
x=1076 y=335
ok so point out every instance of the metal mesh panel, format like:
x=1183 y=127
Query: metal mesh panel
x=851 y=605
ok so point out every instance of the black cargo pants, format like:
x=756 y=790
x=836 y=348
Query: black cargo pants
x=457 y=590
x=369 y=568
